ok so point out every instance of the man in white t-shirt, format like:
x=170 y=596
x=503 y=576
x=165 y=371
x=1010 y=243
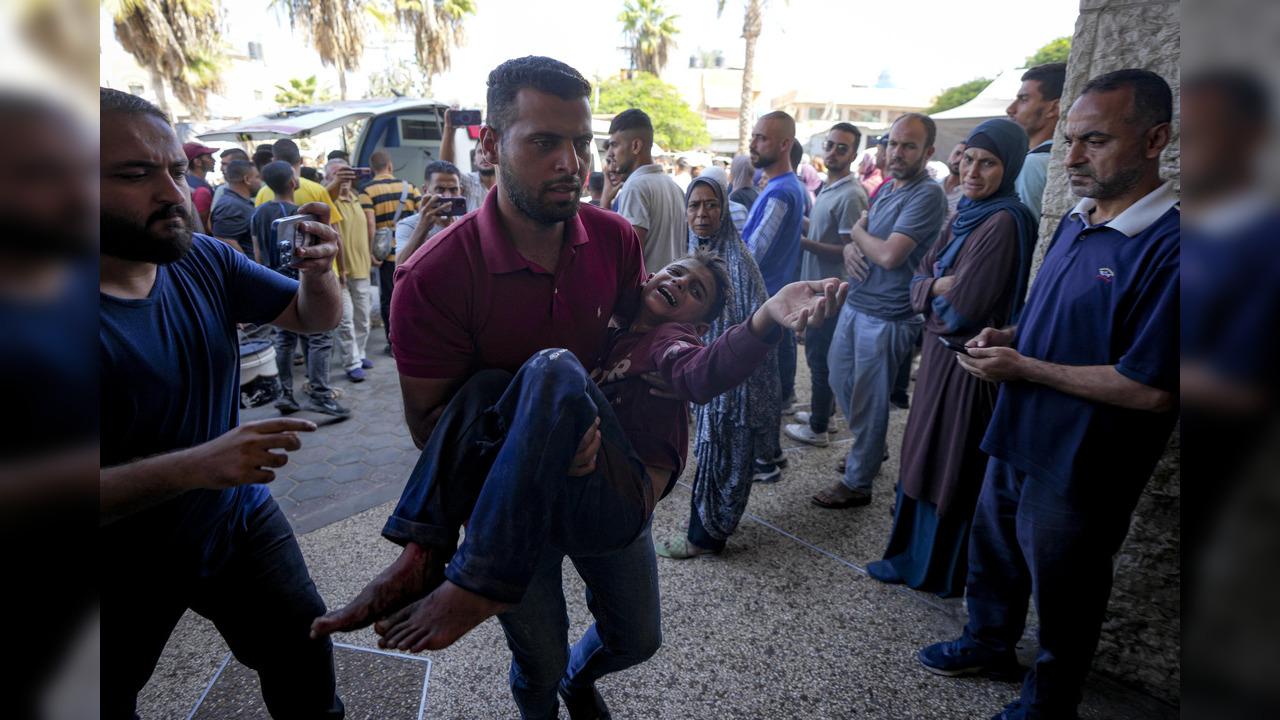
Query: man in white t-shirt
x=649 y=199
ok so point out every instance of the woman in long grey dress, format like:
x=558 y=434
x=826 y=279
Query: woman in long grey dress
x=742 y=424
x=975 y=276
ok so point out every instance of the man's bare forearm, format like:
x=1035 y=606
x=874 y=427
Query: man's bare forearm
x=1097 y=383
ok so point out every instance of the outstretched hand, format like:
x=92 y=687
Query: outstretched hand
x=807 y=303
x=245 y=454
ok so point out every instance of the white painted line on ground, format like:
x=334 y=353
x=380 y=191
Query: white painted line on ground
x=205 y=694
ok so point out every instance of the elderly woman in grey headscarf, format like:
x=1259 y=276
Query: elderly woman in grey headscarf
x=742 y=424
x=737 y=211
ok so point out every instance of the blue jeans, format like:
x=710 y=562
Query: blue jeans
x=817 y=343
x=865 y=354
x=1030 y=539
x=386 y=283
x=500 y=455
x=254 y=586
x=316 y=347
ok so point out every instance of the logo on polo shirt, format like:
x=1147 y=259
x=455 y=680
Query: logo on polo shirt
x=1106 y=274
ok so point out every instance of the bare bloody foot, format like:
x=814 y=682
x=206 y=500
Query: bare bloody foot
x=436 y=621
x=415 y=573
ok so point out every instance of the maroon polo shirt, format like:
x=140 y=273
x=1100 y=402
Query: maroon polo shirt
x=467 y=301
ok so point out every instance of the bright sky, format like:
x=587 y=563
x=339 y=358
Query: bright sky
x=924 y=44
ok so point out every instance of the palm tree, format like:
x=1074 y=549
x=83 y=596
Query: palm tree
x=302 y=92
x=178 y=41
x=751 y=22
x=336 y=29
x=436 y=27
x=649 y=32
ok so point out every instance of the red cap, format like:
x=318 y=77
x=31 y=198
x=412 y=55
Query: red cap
x=195 y=150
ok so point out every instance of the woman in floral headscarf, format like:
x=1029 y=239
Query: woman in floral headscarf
x=742 y=424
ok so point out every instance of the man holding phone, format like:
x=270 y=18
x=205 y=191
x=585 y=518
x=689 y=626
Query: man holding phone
x=475 y=184
x=186 y=518
x=442 y=204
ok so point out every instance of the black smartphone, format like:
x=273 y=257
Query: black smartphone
x=953 y=346
x=363 y=173
x=290 y=236
x=463 y=118
x=457 y=206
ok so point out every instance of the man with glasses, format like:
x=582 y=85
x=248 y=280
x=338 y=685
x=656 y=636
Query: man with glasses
x=840 y=202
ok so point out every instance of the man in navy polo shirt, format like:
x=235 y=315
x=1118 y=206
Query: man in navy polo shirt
x=1086 y=406
x=530 y=270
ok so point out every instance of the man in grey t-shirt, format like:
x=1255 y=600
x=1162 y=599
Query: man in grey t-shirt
x=839 y=205
x=877 y=326
x=649 y=199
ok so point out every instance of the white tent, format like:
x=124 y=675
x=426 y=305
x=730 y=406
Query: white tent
x=954 y=125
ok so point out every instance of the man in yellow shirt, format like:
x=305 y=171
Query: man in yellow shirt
x=308 y=190
x=356 y=229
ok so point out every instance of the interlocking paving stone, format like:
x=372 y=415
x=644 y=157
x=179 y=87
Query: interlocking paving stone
x=311 y=490
x=315 y=471
x=350 y=473
x=347 y=455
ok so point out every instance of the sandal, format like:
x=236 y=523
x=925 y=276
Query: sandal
x=678 y=547
x=839 y=497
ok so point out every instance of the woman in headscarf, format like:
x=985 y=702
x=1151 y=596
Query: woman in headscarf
x=742 y=175
x=809 y=178
x=742 y=424
x=974 y=277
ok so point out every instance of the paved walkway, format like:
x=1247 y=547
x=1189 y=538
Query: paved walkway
x=347 y=465
x=784 y=624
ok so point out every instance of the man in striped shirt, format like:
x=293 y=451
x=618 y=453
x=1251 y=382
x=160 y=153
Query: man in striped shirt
x=380 y=197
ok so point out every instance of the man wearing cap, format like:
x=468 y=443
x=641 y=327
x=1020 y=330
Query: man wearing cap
x=200 y=163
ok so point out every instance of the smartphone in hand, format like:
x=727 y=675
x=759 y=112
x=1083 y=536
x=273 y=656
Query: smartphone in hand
x=463 y=118
x=290 y=236
x=457 y=206
x=953 y=346
x=363 y=173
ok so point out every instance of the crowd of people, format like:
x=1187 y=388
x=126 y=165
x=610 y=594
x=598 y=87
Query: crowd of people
x=548 y=351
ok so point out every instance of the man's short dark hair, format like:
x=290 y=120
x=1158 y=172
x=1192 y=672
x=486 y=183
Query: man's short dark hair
x=114 y=101
x=234 y=153
x=338 y=155
x=262 y=158
x=719 y=269
x=1152 y=98
x=851 y=129
x=1050 y=77
x=276 y=175
x=440 y=166
x=286 y=150
x=633 y=119
x=797 y=154
x=543 y=74
x=930 y=127
x=238 y=170
x=380 y=160
x=310 y=173
x=595 y=181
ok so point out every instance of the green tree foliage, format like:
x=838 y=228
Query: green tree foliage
x=958 y=95
x=1053 y=51
x=303 y=92
x=675 y=125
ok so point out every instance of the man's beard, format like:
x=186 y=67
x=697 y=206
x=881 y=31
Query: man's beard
x=528 y=201
x=1113 y=187
x=760 y=160
x=908 y=172
x=487 y=172
x=125 y=239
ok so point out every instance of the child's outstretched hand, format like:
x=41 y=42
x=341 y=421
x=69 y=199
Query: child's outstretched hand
x=807 y=303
